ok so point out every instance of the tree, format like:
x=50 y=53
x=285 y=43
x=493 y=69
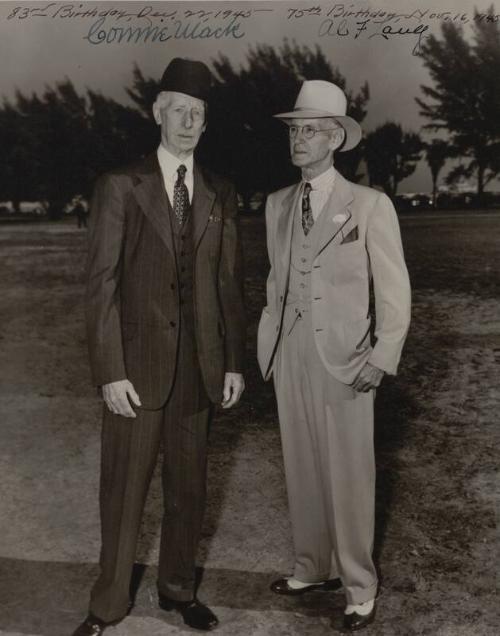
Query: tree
x=60 y=141
x=17 y=165
x=118 y=134
x=391 y=155
x=465 y=98
x=45 y=132
x=436 y=153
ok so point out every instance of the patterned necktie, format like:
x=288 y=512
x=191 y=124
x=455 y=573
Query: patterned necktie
x=181 y=195
x=307 y=217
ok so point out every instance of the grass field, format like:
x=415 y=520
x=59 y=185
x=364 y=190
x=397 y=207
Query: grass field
x=437 y=453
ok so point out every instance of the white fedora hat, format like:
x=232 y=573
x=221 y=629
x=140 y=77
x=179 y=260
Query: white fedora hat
x=317 y=99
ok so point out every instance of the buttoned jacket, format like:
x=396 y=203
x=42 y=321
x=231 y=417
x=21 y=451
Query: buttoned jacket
x=358 y=249
x=133 y=297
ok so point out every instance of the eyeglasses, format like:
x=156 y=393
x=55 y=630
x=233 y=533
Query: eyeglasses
x=307 y=131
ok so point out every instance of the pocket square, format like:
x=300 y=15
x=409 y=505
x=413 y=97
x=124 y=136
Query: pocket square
x=351 y=237
x=214 y=219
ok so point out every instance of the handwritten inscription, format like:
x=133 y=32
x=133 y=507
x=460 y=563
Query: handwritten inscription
x=149 y=23
x=101 y=33
x=343 y=28
x=68 y=11
x=378 y=15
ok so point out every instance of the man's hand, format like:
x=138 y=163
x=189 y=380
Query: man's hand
x=234 y=385
x=369 y=378
x=117 y=394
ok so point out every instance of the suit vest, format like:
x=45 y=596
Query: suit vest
x=184 y=256
x=303 y=249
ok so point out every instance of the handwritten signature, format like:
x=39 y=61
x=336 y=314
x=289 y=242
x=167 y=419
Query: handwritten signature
x=101 y=33
x=343 y=28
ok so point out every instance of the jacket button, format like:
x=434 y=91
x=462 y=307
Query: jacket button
x=172 y=286
x=173 y=324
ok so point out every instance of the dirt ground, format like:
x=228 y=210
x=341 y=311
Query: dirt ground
x=437 y=453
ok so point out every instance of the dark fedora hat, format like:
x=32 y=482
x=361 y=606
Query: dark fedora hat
x=187 y=76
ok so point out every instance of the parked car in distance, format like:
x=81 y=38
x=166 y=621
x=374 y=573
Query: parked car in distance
x=255 y=203
x=412 y=201
x=36 y=208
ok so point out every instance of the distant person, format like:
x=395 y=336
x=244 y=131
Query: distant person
x=81 y=214
x=166 y=332
x=328 y=241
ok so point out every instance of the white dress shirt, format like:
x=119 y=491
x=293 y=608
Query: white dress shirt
x=322 y=186
x=169 y=164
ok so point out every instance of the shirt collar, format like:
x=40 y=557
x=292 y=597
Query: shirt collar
x=169 y=163
x=323 y=181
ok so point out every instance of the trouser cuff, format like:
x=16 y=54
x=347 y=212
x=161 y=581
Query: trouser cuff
x=358 y=595
x=176 y=592
x=306 y=577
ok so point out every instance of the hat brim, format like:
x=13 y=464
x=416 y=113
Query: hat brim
x=352 y=128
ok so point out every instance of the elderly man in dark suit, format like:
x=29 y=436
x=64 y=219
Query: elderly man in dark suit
x=165 y=322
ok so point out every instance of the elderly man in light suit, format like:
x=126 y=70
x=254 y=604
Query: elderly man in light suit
x=166 y=333
x=329 y=240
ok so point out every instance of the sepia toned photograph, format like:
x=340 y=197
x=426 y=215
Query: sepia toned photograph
x=250 y=308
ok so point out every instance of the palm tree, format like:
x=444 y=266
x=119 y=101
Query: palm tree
x=391 y=154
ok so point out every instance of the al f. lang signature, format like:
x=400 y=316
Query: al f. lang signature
x=343 y=28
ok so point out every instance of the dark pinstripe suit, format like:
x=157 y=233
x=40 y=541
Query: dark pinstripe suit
x=174 y=355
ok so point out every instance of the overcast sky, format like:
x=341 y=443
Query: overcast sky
x=42 y=42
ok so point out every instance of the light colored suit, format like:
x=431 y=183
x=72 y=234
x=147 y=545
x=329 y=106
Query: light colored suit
x=327 y=427
x=341 y=276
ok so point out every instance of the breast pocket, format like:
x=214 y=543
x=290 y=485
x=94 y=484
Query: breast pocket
x=348 y=263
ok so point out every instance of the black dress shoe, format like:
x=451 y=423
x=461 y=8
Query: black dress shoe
x=91 y=626
x=194 y=613
x=281 y=587
x=354 y=621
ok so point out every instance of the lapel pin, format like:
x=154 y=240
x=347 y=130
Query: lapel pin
x=340 y=218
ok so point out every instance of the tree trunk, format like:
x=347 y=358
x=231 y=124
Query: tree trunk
x=434 y=193
x=480 y=183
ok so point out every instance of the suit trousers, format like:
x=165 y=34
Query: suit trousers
x=130 y=449
x=327 y=437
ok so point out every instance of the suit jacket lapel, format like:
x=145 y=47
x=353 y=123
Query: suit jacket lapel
x=152 y=197
x=284 y=225
x=202 y=204
x=337 y=217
